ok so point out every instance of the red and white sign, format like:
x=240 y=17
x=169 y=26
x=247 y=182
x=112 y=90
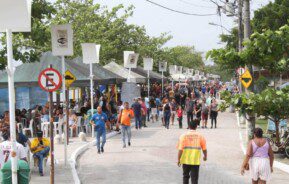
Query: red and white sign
x=49 y=80
x=241 y=71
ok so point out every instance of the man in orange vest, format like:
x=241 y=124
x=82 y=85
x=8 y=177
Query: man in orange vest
x=190 y=146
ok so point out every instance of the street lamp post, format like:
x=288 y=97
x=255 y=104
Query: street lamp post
x=90 y=52
x=15 y=16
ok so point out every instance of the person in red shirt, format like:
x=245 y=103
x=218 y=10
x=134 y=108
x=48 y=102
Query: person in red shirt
x=180 y=116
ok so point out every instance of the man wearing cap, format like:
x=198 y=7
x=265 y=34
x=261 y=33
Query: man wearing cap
x=6 y=150
x=40 y=148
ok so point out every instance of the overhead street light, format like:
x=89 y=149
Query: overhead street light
x=214 y=24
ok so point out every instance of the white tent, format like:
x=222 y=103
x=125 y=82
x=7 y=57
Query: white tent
x=121 y=71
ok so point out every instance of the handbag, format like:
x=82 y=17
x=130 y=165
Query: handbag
x=247 y=166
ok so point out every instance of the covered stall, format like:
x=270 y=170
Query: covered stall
x=154 y=76
x=120 y=70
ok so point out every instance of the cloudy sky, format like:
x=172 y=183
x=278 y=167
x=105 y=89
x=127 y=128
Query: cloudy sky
x=185 y=29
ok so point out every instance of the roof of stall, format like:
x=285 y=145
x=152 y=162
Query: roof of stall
x=154 y=76
x=27 y=74
x=120 y=70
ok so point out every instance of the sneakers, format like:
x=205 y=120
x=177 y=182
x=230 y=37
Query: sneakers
x=41 y=174
x=124 y=146
x=102 y=150
x=98 y=151
x=129 y=144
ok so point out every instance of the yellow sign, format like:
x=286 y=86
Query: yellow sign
x=246 y=79
x=69 y=78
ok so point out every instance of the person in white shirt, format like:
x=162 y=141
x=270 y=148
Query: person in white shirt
x=6 y=150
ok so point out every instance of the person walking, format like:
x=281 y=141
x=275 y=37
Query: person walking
x=190 y=105
x=99 y=121
x=180 y=116
x=259 y=158
x=167 y=113
x=137 y=110
x=198 y=111
x=173 y=105
x=214 y=112
x=189 y=156
x=125 y=120
x=153 y=107
x=205 y=113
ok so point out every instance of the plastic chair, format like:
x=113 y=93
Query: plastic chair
x=19 y=127
x=79 y=124
x=59 y=127
x=30 y=128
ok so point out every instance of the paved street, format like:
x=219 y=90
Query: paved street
x=152 y=158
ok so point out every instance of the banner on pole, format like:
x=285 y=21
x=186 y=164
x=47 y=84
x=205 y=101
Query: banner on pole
x=15 y=15
x=172 y=69
x=148 y=64
x=130 y=59
x=179 y=69
x=163 y=66
x=90 y=53
x=62 y=40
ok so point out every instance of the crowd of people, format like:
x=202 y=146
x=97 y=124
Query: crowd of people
x=196 y=101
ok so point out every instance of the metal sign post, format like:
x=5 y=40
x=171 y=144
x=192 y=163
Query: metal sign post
x=50 y=80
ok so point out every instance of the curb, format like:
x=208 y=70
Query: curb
x=279 y=165
x=78 y=152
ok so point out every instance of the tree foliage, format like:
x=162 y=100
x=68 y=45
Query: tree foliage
x=98 y=24
x=272 y=16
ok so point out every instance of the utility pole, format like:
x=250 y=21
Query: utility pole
x=240 y=22
x=250 y=125
x=240 y=33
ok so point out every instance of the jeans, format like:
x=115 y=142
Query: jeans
x=100 y=133
x=189 y=117
x=190 y=171
x=148 y=114
x=167 y=115
x=40 y=155
x=180 y=122
x=125 y=130
x=138 y=122
x=214 y=115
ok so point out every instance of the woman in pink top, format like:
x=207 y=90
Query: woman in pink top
x=260 y=158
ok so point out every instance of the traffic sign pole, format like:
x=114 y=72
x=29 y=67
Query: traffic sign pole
x=51 y=138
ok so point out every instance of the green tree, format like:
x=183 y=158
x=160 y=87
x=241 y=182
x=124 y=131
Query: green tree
x=272 y=16
x=185 y=56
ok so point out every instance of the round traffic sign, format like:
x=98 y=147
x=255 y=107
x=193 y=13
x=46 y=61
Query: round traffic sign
x=49 y=80
x=241 y=70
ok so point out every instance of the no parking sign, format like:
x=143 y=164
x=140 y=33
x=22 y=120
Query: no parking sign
x=49 y=80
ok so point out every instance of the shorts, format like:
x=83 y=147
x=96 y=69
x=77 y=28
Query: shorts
x=113 y=117
x=153 y=111
x=260 y=168
x=161 y=114
x=205 y=116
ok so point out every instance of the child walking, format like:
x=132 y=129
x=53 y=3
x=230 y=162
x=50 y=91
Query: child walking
x=180 y=116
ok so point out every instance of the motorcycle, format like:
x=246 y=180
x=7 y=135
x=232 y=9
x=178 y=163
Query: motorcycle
x=283 y=146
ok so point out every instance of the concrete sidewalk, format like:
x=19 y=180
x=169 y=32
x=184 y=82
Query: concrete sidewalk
x=63 y=174
x=153 y=155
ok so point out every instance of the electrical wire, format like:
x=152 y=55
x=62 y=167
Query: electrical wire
x=196 y=5
x=177 y=11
